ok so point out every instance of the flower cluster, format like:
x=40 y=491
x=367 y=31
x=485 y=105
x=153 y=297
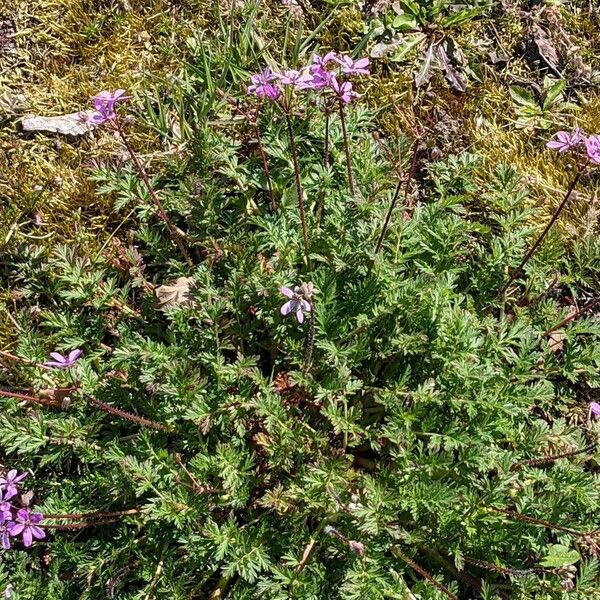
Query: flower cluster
x=329 y=72
x=16 y=521
x=577 y=141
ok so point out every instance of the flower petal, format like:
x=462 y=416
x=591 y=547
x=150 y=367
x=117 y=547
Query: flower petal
x=38 y=532
x=299 y=314
x=74 y=355
x=286 y=291
x=16 y=529
x=27 y=537
x=286 y=309
x=58 y=357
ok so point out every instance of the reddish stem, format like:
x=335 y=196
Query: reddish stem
x=107 y=408
x=299 y=191
x=94 y=515
x=175 y=235
x=537 y=243
x=574 y=315
x=346 y=148
x=265 y=162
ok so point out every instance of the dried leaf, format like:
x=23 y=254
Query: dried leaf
x=424 y=74
x=73 y=124
x=176 y=294
x=556 y=341
x=454 y=77
x=545 y=47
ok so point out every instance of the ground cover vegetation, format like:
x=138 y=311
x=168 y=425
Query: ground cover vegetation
x=311 y=309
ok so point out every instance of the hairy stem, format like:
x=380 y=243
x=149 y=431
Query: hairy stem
x=409 y=177
x=535 y=462
x=573 y=316
x=346 y=148
x=298 y=182
x=537 y=243
x=107 y=408
x=139 y=168
x=94 y=515
x=265 y=162
x=534 y=521
x=421 y=571
x=310 y=342
x=326 y=146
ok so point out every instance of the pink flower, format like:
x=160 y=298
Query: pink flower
x=8 y=484
x=321 y=78
x=352 y=67
x=592 y=146
x=297 y=79
x=27 y=525
x=322 y=61
x=262 y=85
x=296 y=303
x=566 y=141
x=594 y=410
x=105 y=105
x=344 y=90
x=63 y=362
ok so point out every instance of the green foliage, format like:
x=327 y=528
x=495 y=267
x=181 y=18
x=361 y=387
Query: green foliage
x=245 y=456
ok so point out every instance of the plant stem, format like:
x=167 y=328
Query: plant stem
x=537 y=243
x=299 y=192
x=409 y=177
x=573 y=316
x=107 y=408
x=310 y=342
x=265 y=162
x=94 y=515
x=388 y=216
x=421 y=571
x=346 y=148
x=326 y=147
x=175 y=235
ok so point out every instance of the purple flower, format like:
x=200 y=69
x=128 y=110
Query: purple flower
x=322 y=61
x=105 y=103
x=8 y=591
x=8 y=484
x=344 y=90
x=5 y=527
x=63 y=362
x=262 y=86
x=566 y=141
x=594 y=410
x=27 y=524
x=592 y=146
x=296 y=79
x=353 y=67
x=295 y=303
x=321 y=78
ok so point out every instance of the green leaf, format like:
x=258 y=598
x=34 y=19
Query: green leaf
x=522 y=96
x=407 y=46
x=462 y=16
x=559 y=555
x=404 y=22
x=553 y=92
